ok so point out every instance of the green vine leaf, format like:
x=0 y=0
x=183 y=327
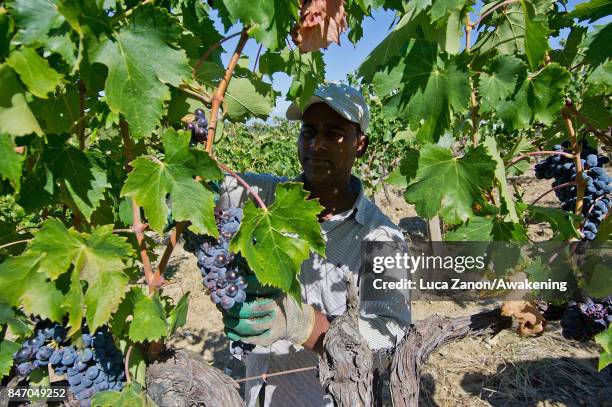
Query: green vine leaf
x=132 y=395
x=499 y=82
x=16 y=321
x=270 y=20
x=562 y=222
x=592 y=11
x=16 y=118
x=476 y=229
x=151 y=180
x=35 y=19
x=7 y=349
x=507 y=201
x=536 y=35
x=149 y=319
x=103 y=297
x=91 y=254
x=34 y=71
x=11 y=162
x=276 y=242
x=178 y=315
x=73 y=303
x=448 y=185
x=140 y=62
x=604 y=339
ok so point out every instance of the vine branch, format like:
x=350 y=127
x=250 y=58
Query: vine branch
x=473 y=101
x=153 y=280
x=211 y=49
x=537 y=153
x=220 y=92
x=260 y=202
x=567 y=184
x=14 y=243
x=127 y=365
x=491 y=10
x=576 y=148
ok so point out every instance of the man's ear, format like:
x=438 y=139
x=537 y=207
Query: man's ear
x=362 y=144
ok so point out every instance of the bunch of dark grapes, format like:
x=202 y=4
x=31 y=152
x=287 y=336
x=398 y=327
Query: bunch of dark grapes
x=597 y=201
x=223 y=272
x=198 y=127
x=96 y=367
x=584 y=320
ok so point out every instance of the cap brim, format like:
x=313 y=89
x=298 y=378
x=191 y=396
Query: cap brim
x=295 y=113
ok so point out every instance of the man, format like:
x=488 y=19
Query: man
x=287 y=335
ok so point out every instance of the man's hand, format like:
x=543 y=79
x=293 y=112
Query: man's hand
x=267 y=320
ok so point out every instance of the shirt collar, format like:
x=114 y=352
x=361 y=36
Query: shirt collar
x=359 y=207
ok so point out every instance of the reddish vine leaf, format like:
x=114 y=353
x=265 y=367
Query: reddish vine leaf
x=277 y=241
x=321 y=23
x=449 y=185
x=151 y=180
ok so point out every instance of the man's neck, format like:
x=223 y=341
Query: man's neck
x=334 y=199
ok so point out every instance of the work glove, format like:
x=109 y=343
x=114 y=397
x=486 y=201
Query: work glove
x=263 y=321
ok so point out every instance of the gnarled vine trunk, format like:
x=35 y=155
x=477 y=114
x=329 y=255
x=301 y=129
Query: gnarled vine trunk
x=184 y=379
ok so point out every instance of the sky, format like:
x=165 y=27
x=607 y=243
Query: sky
x=345 y=58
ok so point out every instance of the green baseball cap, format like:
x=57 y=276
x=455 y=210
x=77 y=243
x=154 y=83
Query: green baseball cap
x=344 y=99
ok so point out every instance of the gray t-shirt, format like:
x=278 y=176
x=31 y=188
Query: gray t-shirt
x=382 y=318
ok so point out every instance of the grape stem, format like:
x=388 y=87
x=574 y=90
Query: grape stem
x=260 y=202
x=153 y=280
x=127 y=365
x=576 y=148
x=538 y=153
x=567 y=184
x=473 y=101
x=204 y=98
x=217 y=98
x=257 y=57
x=14 y=243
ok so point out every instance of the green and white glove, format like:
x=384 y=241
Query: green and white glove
x=267 y=320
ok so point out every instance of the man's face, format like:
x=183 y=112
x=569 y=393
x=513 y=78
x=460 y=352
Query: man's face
x=328 y=145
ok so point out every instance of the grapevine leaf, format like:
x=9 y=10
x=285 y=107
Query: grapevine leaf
x=34 y=71
x=592 y=11
x=132 y=395
x=562 y=222
x=178 y=315
x=567 y=55
x=7 y=349
x=37 y=189
x=604 y=339
x=605 y=230
x=442 y=8
x=598 y=43
x=103 y=296
x=73 y=303
x=500 y=176
x=140 y=62
x=18 y=323
x=477 y=229
x=91 y=254
x=500 y=82
x=13 y=277
x=306 y=70
x=42 y=297
x=508 y=34
x=449 y=185
x=59 y=113
x=536 y=35
x=247 y=97
x=600 y=283
x=15 y=115
x=6 y=33
x=276 y=242
x=35 y=18
x=270 y=20
x=149 y=322
x=151 y=180
x=11 y=162
x=540 y=98
x=509 y=231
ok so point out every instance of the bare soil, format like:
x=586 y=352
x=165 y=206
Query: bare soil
x=505 y=370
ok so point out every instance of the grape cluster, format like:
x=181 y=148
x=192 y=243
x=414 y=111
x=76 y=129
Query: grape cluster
x=198 y=127
x=597 y=200
x=583 y=320
x=223 y=272
x=96 y=367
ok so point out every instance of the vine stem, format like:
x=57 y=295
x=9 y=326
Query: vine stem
x=15 y=242
x=491 y=10
x=153 y=280
x=576 y=148
x=473 y=101
x=603 y=136
x=174 y=236
x=567 y=184
x=210 y=50
x=255 y=195
x=193 y=93
x=217 y=98
x=257 y=57
x=537 y=153
x=127 y=365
